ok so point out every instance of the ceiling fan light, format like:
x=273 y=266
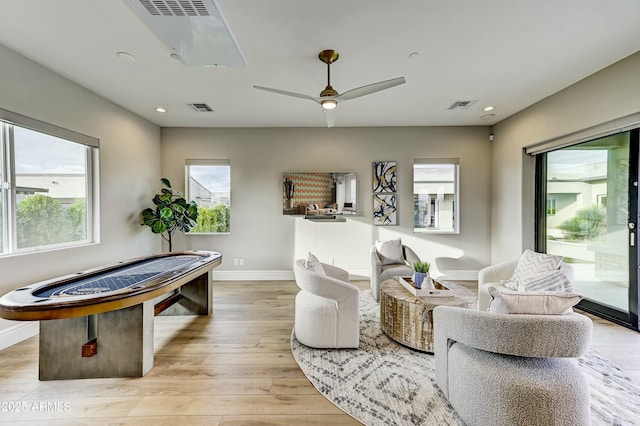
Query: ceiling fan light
x=329 y=104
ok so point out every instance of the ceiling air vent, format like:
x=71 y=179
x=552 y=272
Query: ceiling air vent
x=175 y=7
x=194 y=29
x=461 y=105
x=200 y=107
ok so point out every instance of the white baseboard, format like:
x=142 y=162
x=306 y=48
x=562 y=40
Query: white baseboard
x=360 y=274
x=284 y=275
x=273 y=275
x=458 y=275
x=252 y=275
x=16 y=334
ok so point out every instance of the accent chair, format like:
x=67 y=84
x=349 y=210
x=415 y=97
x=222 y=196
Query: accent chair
x=382 y=270
x=327 y=311
x=494 y=275
x=512 y=369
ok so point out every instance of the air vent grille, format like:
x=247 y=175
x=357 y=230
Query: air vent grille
x=175 y=7
x=194 y=30
x=461 y=105
x=201 y=107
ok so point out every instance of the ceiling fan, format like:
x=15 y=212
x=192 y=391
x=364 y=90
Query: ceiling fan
x=329 y=97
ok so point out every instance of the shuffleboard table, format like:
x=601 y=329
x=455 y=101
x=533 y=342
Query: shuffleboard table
x=99 y=322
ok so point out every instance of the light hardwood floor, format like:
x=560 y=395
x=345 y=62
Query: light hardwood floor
x=233 y=368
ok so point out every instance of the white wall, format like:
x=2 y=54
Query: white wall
x=269 y=241
x=609 y=94
x=129 y=170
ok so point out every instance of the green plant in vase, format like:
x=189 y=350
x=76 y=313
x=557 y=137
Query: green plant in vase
x=421 y=273
x=172 y=213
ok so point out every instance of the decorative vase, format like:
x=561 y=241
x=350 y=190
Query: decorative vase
x=289 y=203
x=419 y=278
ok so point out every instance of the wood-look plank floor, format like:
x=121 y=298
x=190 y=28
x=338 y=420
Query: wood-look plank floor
x=232 y=368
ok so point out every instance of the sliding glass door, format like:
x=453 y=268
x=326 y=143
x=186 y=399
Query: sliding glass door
x=587 y=198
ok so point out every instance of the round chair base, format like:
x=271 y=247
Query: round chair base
x=488 y=388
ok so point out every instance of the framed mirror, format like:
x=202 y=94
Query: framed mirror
x=319 y=193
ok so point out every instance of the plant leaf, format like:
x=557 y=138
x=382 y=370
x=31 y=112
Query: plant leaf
x=166 y=214
x=158 y=227
x=162 y=199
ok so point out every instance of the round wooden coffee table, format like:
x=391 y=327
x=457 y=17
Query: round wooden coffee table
x=408 y=319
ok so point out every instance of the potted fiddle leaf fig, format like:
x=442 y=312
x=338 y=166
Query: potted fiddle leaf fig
x=172 y=213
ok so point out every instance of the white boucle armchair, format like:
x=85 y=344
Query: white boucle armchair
x=491 y=276
x=380 y=272
x=512 y=369
x=327 y=312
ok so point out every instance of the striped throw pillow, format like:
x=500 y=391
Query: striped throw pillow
x=532 y=264
x=546 y=281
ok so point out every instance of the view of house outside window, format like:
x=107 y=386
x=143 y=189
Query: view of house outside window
x=435 y=195
x=45 y=190
x=588 y=226
x=209 y=185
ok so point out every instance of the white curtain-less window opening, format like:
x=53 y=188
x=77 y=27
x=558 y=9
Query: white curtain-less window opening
x=209 y=185
x=47 y=182
x=436 y=195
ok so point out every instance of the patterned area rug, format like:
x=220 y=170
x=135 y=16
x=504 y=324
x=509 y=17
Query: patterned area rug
x=384 y=383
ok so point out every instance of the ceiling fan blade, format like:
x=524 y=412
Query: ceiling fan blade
x=287 y=93
x=371 y=88
x=330 y=116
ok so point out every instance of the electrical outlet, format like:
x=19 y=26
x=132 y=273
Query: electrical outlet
x=235 y=261
x=241 y=261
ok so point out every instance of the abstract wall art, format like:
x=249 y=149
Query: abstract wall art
x=384 y=176
x=385 y=211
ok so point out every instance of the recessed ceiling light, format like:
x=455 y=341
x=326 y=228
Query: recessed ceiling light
x=487 y=116
x=160 y=109
x=126 y=56
x=489 y=108
x=414 y=55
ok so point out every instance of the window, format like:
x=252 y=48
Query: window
x=435 y=195
x=551 y=206
x=46 y=177
x=209 y=185
x=594 y=183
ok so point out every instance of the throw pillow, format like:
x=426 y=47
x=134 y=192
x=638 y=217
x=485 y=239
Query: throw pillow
x=546 y=281
x=390 y=252
x=313 y=264
x=531 y=302
x=510 y=284
x=531 y=263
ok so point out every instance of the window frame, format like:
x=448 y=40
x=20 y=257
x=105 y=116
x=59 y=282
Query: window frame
x=8 y=187
x=188 y=195
x=455 y=162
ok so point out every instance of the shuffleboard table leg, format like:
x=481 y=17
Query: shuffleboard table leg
x=126 y=345
x=196 y=297
x=91 y=347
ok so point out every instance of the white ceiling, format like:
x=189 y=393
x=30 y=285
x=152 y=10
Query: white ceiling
x=506 y=53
